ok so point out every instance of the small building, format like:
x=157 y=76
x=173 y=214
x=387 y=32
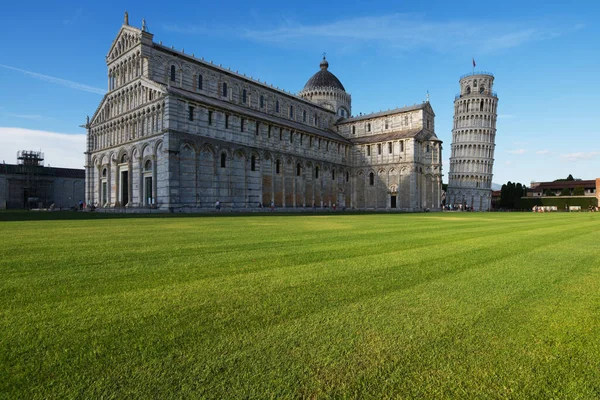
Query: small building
x=29 y=184
x=540 y=189
x=495 y=199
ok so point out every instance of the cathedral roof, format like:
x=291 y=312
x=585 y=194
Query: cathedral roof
x=324 y=79
x=419 y=134
x=398 y=110
x=258 y=115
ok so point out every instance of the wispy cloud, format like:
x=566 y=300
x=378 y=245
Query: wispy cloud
x=517 y=151
x=58 y=81
x=24 y=116
x=542 y=152
x=193 y=29
x=60 y=149
x=74 y=18
x=405 y=31
x=579 y=156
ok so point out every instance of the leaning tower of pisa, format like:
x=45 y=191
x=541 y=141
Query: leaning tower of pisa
x=473 y=142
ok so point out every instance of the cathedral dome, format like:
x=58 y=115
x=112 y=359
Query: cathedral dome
x=324 y=79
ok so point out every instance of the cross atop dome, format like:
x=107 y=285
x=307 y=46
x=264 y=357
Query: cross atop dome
x=324 y=64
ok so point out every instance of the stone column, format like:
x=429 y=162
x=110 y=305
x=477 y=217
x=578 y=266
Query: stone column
x=114 y=183
x=130 y=182
x=154 y=182
x=283 y=181
x=141 y=196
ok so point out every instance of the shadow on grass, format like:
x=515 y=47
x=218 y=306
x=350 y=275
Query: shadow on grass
x=22 y=215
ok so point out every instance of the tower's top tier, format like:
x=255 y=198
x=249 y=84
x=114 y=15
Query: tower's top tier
x=477 y=83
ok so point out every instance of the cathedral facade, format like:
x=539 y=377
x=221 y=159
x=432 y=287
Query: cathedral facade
x=177 y=133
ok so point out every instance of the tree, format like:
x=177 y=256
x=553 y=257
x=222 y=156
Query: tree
x=549 y=192
x=510 y=195
x=565 y=192
x=568 y=179
x=579 y=191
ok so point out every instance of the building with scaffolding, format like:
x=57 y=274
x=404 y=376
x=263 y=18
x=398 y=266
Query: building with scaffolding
x=29 y=184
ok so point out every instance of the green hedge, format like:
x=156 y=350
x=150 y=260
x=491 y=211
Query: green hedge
x=559 y=202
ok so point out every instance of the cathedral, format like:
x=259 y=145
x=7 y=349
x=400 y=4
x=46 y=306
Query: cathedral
x=177 y=133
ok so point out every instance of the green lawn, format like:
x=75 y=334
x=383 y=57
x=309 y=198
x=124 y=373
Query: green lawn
x=452 y=305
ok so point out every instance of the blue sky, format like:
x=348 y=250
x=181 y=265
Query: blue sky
x=544 y=56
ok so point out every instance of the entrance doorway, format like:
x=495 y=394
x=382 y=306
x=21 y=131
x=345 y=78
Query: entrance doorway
x=393 y=201
x=124 y=188
x=148 y=190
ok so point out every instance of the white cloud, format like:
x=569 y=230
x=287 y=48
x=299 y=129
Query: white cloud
x=579 y=156
x=58 y=81
x=517 y=151
x=542 y=152
x=60 y=149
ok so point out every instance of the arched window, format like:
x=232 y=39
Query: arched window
x=148 y=166
x=124 y=158
x=104 y=172
x=199 y=82
x=347 y=176
x=368 y=127
x=298 y=169
x=223 y=160
x=172 y=73
x=333 y=174
x=224 y=89
x=317 y=172
x=262 y=101
x=475 y=83
x=292 y=112
x=468 y=90
x=354 y=130
x=244 y=95
x=304 y=116
x=482 y=89
x=387 y=124
x=277 y=106
x=253 y=163
x=481 y=106
x=371 y=179
x=277 y=166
